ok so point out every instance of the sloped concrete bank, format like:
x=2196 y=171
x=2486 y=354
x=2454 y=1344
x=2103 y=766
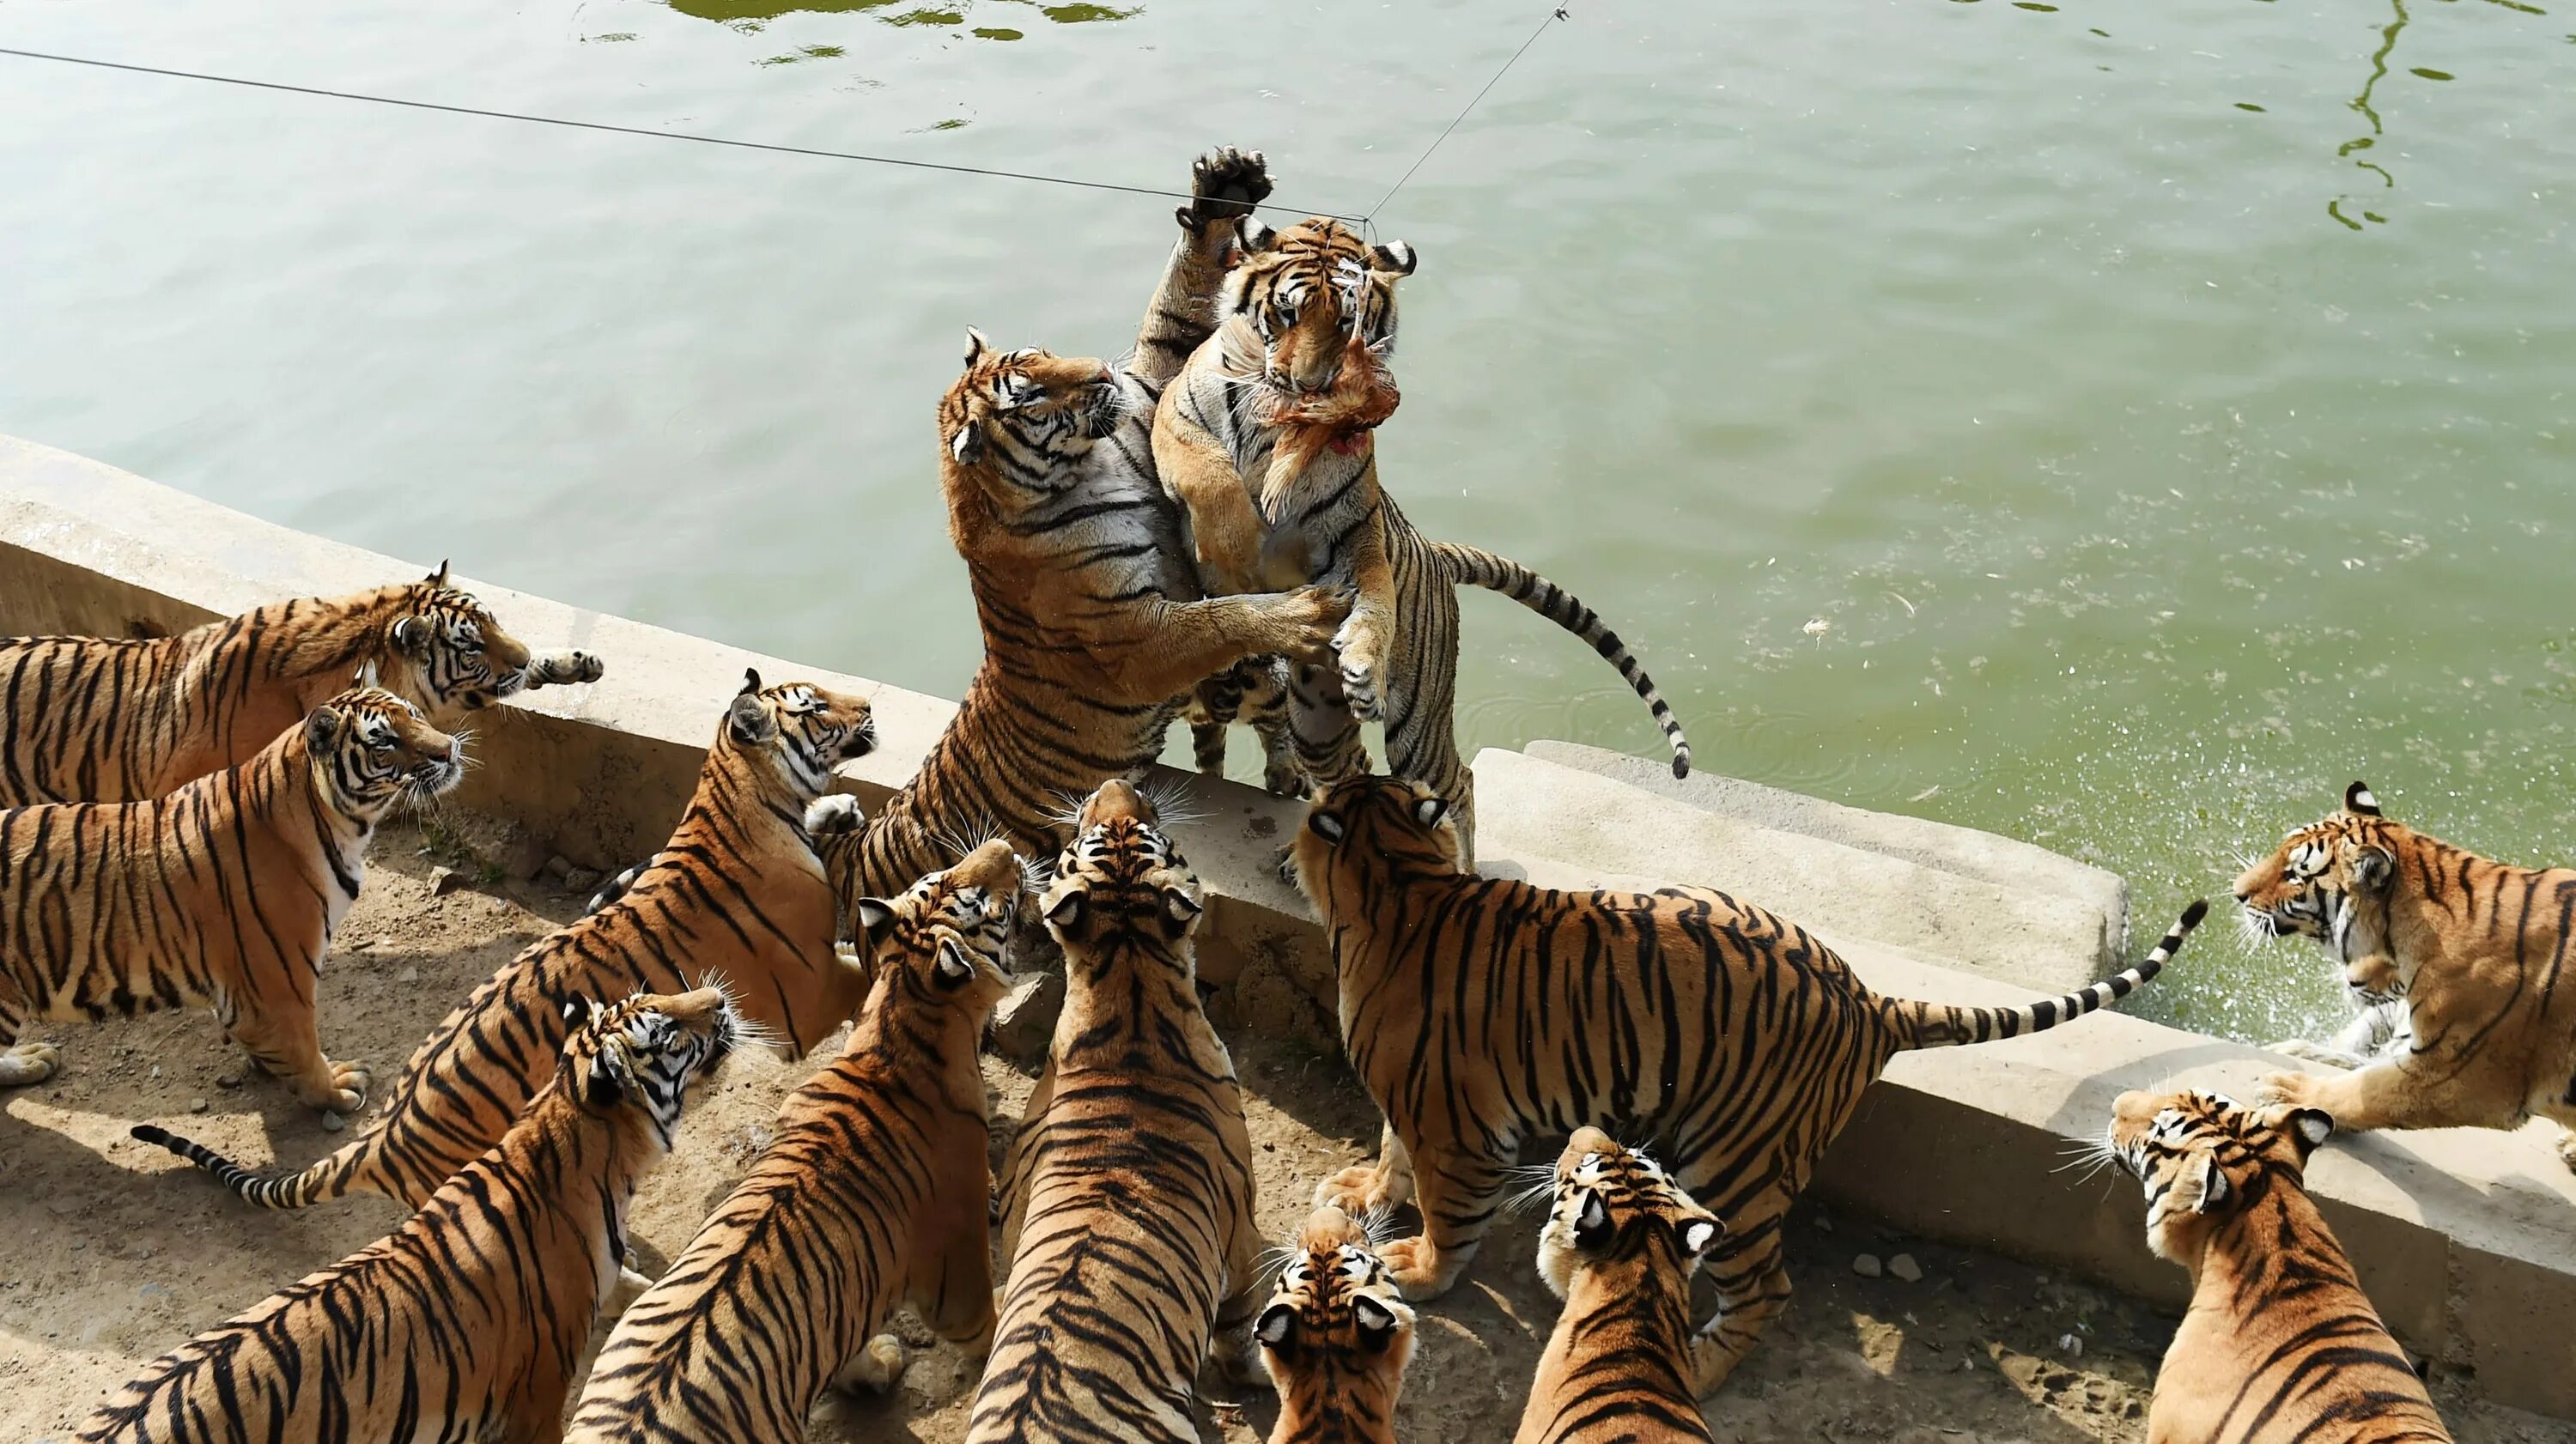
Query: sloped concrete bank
x=2466 y=1239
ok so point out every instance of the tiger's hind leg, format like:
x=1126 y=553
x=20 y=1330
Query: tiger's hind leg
x=294 y=1053
x=1422 y=699
x=1459 y=1191
x=1752 y=1288
x=873 y=1369
x=22 y=1064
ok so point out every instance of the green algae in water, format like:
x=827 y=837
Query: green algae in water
x=1084 y=14
x=997 y=32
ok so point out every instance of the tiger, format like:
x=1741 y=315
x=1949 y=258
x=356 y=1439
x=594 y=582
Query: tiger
x=737 y=895
x=1335 y=1337
x=1094 y=629
x=224 y=892
x=1620 y=1244
x=872 y=1192
x=1301 y=304
x=467 y=1321
x=1480 y=1011
x=2490 y=1038
x=89 y=719
x=2280 y=1343
x=1128 y=1191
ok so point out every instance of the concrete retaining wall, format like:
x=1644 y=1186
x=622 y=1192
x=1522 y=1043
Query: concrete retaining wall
x=2466 y=1240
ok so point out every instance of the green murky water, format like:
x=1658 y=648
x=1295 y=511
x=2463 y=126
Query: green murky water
x=2114 y=424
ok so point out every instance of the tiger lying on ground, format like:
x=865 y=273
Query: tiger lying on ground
x=87 y=719
x=872 y=1192
x=466 y=1322
x=2280 y=1344
x=1302 y=303
x=737 y=896
x=1128 y=1192
x=224 y=892
x=2478 y=950
x=1335 y=1337
x=1481 y=1011
x=1620 y=1243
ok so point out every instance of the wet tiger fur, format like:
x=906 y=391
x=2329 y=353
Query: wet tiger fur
x=1128 y=1190
x=2280 y=1344
x=224 y=892
x=873 y=1192
x=1481 y=1011
x=466 y=1322
x=87 y=719
x=2479 y=952
x=737 y=896
x=1335 y=1337
x=1301 y=307
x=1619 y=1246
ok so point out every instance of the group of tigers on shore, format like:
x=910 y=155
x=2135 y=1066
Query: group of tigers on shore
x=1199 y=535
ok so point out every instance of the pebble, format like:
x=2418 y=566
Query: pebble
x=156 y=1070
x=228 y=1080
x=1824 y=1224
x=444 y=880
x=2071 y=1346
x=1024 y=1021
x=410 y=975
x=1867 y=1266
x=333 y=1122
x=196 y=1105
x=1903 y=1266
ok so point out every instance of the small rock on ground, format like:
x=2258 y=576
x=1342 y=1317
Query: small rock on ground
x=196 y=1105
x=1867 y=1266
x=444 y=880
x=1903 y=1266
x=1024 y=1021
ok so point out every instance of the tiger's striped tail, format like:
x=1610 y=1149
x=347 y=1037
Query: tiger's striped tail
x=1941 y=1025
x=1474 y=566
x=336 y=1176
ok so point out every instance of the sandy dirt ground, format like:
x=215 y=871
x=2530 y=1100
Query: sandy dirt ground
x=114 y=1251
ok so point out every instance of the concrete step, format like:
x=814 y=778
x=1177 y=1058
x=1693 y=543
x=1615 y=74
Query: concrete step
x=1986 y=856
x=1531 y=813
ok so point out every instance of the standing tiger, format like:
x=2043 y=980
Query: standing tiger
x=224 y=892
x=2280 y=1345
x=2477 y=950
x=1335 y=1337
x=873 y=1192
x=738 y=896
x=1479 y=1012
x=1128 y=1191
x=1619 y=1246
x=1301 y=304
x=466 y=1322
x=86 y=719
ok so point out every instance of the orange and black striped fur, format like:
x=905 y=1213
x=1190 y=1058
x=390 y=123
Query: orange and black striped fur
x=1619 y=1246
x=224 y=892
x=1479 y=1012
x=1335 y=1337
x=737 y=897
x=1128 y=1191
x=2479 y=952
x=466 y=1322
x=2280 y=1346
x=1302 y=306
x=873 y=1192
x=1094 y=629
x=86 y=719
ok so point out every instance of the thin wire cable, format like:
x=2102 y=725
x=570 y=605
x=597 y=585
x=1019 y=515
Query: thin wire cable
x=1555 y=13
x=654 y=134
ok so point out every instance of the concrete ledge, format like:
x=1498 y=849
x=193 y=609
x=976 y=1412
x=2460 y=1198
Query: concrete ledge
x=2466 y=1239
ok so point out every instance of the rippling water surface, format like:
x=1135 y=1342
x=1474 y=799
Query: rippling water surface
x=2118 y=425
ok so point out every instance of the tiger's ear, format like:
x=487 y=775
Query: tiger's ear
x=2360 y=801
x=1277 y=1327
x=606 y=1085
x=1253 y=235
x=367 y=676
x=1592 y=1223
x=750 y=722
x=438 y=578
x=1064 y=911
x=1427 y=811
x=1698 y=1234
x=2214 y=1190
x=323 y=728
x=1394 y=256
x=411 y=634
x=967 y=446
x=1377 y=1323
x=1180 y=907
x=1327 y=825
x=2372 y=867
x=876 y=921
x=977 y=348
x=953 y=970
x=2308 y=1128
x=578 y=1010
x=750 y=681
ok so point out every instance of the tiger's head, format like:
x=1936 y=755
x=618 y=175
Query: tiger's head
x=639 y=1057
x=1298 y=300
x=947 y=938
x=795 y=733
x=2201 y=1156
x=2331 y=881
x=443 y=650
x=1121 y=880
x=1615 y=1204
x=1336 y=1333
x=371 y=749
x=1015 y=421
x=1371 y=826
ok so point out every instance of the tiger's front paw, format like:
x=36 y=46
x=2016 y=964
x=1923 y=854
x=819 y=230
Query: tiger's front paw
x=559 y=669
x=2291 y=1090
x=832 y=814
x=1363 y=653
x=29 y=1063
x=1305 y=621
x=1361 y=1190
x=1224 y=183
x=874 y=1368
x=1420 y=1270
x=2567 y=1148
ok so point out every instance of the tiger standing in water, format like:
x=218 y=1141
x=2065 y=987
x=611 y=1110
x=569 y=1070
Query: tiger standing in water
x=1480 y=1012
x=1128 y=1193
x=90 y=719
